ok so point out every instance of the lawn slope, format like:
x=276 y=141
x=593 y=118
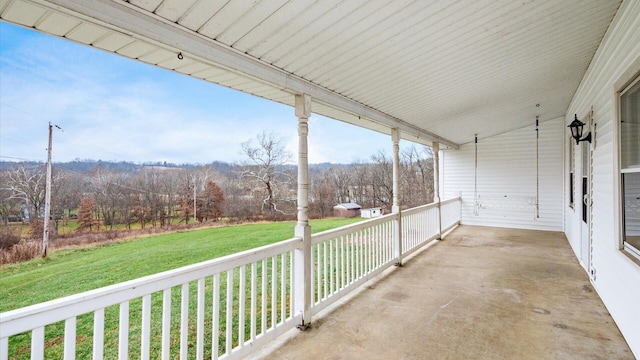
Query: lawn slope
x=68 y=272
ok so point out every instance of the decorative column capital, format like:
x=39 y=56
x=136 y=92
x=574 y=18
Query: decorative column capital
x=303 y=106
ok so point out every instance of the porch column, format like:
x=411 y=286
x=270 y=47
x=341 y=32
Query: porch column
x=436 y=185
x=302 y=257
x=395 y=208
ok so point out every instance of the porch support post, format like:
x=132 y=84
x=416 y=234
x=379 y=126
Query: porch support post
x=302 y=256
x=436 y=185
x=395 y=208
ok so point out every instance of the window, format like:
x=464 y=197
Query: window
x=630 y=166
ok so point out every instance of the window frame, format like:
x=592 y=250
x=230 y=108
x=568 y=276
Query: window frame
x=623 y=245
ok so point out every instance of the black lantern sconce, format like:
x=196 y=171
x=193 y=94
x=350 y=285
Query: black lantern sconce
x=576 y=127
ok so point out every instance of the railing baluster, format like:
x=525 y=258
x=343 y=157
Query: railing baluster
x=342 y=264
x=254 y=293
x=331 y=265
x=200 y=318
x=70 y=339
x=98 y=334
x=215 y=322
x=241 y=305
x=184 y=321
x=316 y=268
x=325 y=269
x=4 y=348
x=291 y=281
x=123 y=339
x=37 y=343
x=166 y=323
x=274 y=291
x=283 y=287
x=263 y=324
x=145 y=341
x=229 y=322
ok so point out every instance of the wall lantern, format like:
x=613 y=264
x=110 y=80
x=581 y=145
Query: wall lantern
x=576 y=127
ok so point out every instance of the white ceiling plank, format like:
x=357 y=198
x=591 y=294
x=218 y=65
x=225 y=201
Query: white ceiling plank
x=157 y=56
x=200 y=13
x=226 y=16
x=57 y=23
x=149 y=5
x=23 y=13
x=311 y=29
x=252 y=18
x=136 y=49
x=172 y=10
x=113 y=41
x=271 y=26
x=87 y=33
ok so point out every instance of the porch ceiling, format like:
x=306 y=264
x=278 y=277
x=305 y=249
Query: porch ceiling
x=438 y=70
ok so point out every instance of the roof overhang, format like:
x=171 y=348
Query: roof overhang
x=438 y=71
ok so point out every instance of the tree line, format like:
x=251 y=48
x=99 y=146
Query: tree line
x=262 y=187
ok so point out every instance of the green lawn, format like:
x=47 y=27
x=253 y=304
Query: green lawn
x=72 y=271
x=68 y=272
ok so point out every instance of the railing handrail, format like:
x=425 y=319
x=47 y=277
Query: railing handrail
x=444 y=202
x=419 y=208
x=27 y=318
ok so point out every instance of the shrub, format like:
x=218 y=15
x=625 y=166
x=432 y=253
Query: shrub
x=8 y=238
x=22 y=251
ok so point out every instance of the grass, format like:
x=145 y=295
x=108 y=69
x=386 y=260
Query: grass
x=68 y=272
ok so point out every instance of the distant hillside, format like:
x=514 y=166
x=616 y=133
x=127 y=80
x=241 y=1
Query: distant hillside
x=87 y=166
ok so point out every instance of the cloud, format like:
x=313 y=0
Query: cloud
x=112 y=108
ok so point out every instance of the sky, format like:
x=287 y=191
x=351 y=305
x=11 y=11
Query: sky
x=113 y=108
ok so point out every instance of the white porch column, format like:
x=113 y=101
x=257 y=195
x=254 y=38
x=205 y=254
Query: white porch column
x=302 y=257
x=436 y=184
x=395 y=208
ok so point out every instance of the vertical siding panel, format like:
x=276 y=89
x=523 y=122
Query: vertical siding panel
x=617 y=278
x=506 y=178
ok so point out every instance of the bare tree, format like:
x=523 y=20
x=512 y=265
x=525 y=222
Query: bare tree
x=28 y=185
x=323 y=195
x=9 y=205
x=341 y=179
x=382 y=179
x=416 y=176
x=266 y=171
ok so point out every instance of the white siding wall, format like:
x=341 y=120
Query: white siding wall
x=506 y=178
x=617 y=278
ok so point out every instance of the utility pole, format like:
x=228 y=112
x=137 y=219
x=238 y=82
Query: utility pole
x=47 y=201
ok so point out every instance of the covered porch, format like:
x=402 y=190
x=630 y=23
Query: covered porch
x=481 y=293
x=489 y=85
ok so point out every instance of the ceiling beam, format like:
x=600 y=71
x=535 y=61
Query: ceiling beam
x=129 y=19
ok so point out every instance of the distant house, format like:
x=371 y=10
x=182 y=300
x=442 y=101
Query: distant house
x=371 y=212
x=347 y=210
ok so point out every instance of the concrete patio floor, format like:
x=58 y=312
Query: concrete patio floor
x=481 y=293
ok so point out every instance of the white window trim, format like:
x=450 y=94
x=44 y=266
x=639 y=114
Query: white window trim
x=625 y=82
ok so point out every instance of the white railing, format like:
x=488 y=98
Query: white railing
x=219 y=308
x=345 y=257
x=450 y=213
x=419 y=225
x=222 y=308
